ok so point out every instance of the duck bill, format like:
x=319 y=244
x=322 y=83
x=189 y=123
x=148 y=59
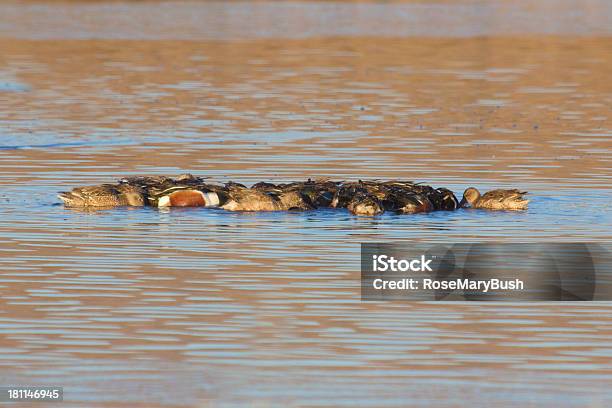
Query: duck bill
x=463 y=203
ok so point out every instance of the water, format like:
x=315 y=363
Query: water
x=197 y=307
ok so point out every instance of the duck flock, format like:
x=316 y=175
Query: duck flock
x=359 y=197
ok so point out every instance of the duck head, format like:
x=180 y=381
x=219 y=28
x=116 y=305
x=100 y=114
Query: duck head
x=470 y=196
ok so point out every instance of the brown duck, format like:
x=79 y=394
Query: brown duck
x=104 y=195
x=495 y=199
x=241 y=198
x=365 y=204
x=319 y=192
x=360 y=198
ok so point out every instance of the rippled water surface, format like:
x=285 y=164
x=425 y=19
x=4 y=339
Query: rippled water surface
x=195 y=307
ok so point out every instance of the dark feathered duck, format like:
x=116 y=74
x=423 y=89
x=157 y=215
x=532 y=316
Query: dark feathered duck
x=403 y=201
x=361 y=197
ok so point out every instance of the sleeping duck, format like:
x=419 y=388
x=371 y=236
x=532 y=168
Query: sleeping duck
x=185 y=190
x=439 y=198
x=360 y=198
x=264 y=198
x=104 y=195
x=320 y=192
x=405 y=201
x=365 y=204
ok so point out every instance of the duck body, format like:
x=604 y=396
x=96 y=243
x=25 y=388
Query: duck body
x=321 y=192
x=266 y=187
x=443 y=199
x=365 y=204
x=295 y=201
x=495 y=200
x=408 y=202
x=264 y=197
x=440 y=199
x=188 y=196
x=103 y=195
x=251 y=200
x=314 y=193
x=182 y=191
x=360 y=198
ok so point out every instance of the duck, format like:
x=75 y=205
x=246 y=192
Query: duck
x=360 y=198
x=265 y=196
x=407 y=202
x=319 y=192
x=365 y=204
x=444 y=199
x=495 y=199
x=295 y=201
x=184 y=190
x=250 y=199
x=104 y=195
x=346 y=192
x=440 y=199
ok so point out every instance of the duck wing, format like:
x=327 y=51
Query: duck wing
x=345 y=193
x=443 y=199
x=251 y=200
x=504 y=195
x=145 y=181
x=231 y=185
x=264 y=186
